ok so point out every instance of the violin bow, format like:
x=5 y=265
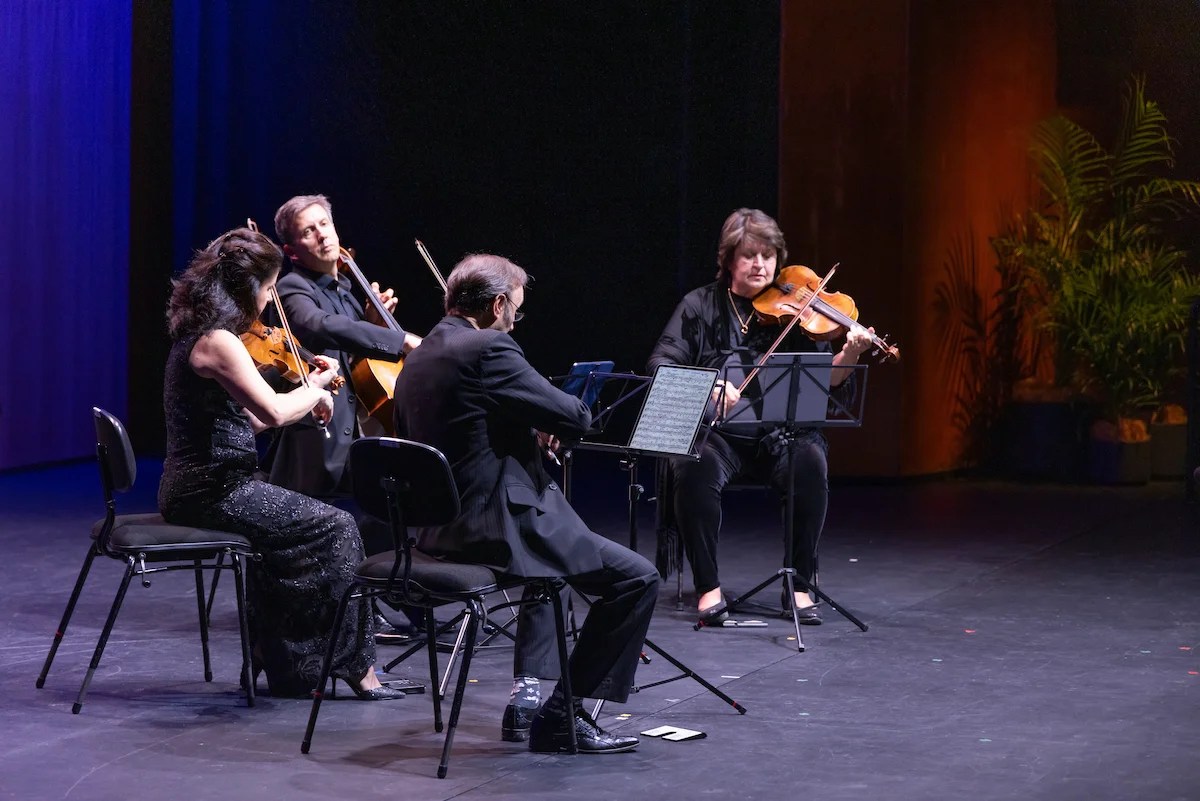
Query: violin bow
x=437 y=274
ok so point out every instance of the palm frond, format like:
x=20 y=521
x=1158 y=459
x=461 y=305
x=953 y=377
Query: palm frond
x=1166 y=197
x=1073 y=166
x=1143 y=144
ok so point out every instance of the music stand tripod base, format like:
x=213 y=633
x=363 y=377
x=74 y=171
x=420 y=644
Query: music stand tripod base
x=667 y=425
x=789 y=376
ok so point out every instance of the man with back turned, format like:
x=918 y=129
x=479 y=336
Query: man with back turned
x=469 y=392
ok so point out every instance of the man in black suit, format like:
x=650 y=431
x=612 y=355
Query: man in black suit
x=327 y=318
x=469 y=392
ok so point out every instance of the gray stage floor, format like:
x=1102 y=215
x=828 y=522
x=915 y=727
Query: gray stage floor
x=1025 y=642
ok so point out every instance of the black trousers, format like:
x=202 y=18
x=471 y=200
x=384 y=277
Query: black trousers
x=605 y=658
x=698 y=486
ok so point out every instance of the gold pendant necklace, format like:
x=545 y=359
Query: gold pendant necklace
x=745 y=324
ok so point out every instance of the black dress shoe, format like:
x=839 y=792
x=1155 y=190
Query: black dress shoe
x=380 y=693
x=514 y=728
x=550 y=735
x=808 y=616
x=714 y=615
x=388 y=633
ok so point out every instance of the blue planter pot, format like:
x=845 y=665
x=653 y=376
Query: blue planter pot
x=1119 y=462
x=1046 y=441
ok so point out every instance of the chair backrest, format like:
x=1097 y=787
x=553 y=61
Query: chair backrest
x=427 y=493
x=114 y=450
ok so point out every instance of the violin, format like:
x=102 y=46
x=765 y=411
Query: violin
x=269 y=348
x=798 y=296
x=797 y=291
x=281 y=351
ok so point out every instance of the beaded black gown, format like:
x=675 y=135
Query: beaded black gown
x=309 y=549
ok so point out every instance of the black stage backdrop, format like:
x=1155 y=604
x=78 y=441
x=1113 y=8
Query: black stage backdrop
x=598 y=145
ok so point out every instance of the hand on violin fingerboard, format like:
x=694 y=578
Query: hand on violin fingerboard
x=859 y=340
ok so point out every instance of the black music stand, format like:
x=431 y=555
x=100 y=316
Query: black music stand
x=669 y=424
x=793 y=392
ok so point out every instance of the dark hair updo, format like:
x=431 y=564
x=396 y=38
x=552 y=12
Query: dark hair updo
x=219 y=288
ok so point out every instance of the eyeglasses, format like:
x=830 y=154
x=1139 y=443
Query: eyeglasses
x=518 y=315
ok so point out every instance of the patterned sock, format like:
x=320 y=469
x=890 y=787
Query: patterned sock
x=526 y=692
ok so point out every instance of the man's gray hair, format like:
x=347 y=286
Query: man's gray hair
x=476 y=281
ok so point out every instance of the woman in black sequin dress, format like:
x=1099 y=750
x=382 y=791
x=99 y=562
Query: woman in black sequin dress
x=215 y=402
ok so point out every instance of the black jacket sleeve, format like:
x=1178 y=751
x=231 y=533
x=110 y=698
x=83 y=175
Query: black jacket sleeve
x=321 y=330
x=525 y=396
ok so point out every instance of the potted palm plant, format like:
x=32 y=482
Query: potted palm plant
x=1098 y=264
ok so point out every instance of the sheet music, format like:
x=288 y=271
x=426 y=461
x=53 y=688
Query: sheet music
x=673 y=409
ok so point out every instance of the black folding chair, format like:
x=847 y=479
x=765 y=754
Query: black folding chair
x=410 y=484
x=146 y=538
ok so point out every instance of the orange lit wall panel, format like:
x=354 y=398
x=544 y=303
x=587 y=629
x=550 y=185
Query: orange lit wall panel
x=904 y=130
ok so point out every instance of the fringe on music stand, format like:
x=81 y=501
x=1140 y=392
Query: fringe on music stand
x=666 y=551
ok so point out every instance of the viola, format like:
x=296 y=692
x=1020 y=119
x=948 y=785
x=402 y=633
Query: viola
x=797 y=291
x=798 y=296
x=269 y=347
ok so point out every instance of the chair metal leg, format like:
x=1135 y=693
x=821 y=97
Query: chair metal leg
x=477 y=614
x=67 y=613
x=564 y=661
x=574 y=629
x=235 y=561
x=431 y=649
x=326 y=668
x=130 y=566
x=679 y=558
x=199 y=571
x=502 y=629
x=212 y=591
x=456 y=650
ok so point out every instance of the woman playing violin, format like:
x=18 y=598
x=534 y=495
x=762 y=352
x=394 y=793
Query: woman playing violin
x=710 y=325
x=215 y=400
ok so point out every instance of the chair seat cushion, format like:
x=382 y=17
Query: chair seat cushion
x=431 y=575
x=151 y=534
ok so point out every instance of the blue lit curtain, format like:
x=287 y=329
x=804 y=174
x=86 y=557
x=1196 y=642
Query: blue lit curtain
x=64 y=223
